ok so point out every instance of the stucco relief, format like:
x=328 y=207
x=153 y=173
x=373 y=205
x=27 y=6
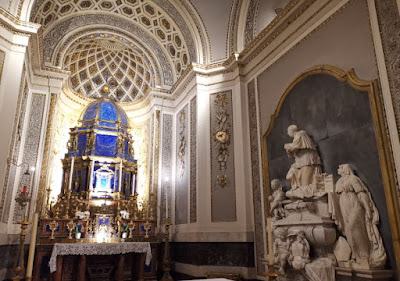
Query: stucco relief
x=182 y=186
x=31 y=148
x=250 y=21
x=193 y=160
x=223 y=197
x=255 y=177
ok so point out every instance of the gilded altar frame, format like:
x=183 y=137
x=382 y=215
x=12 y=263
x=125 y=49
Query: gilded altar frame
x=381 y=136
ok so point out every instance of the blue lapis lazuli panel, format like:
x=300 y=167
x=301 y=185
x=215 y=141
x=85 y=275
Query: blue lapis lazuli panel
x=123 y=117
x=91 y=112
x=106 y=145
x=81 y=143
x=108 y=111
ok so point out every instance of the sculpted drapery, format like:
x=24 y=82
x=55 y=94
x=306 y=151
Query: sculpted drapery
x=358 y=220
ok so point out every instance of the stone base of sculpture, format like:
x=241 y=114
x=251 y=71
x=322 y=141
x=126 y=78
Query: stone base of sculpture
x=349 y=274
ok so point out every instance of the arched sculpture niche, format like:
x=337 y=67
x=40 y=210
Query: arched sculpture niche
x=339 y=119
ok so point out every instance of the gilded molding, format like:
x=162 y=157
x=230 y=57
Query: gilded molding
x=381 y=136
x=2 y=60
x=44 y=175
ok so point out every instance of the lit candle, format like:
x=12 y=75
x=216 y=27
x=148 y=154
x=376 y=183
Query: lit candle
x=270 y=249
x=71 y=173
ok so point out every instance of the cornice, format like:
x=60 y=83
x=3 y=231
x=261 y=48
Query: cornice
x=16 y=26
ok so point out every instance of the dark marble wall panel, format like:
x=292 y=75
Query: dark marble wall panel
x=255 y=177
x=338 y=118
x=182 y=167
x=223 y=195
x=214 y=253
x=193 y=160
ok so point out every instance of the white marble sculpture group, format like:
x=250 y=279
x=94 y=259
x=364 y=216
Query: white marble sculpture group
x=306 y=217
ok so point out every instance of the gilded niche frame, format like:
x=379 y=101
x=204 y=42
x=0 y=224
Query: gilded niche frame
x=381 y=136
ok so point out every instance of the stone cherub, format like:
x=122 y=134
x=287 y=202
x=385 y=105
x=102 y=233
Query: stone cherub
x=299 y=250
x=281 y=249
x=276 y=198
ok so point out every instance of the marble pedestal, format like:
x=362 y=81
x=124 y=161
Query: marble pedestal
x=349 y=274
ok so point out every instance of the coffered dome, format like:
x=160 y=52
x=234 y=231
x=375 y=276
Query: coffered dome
x=100 y=61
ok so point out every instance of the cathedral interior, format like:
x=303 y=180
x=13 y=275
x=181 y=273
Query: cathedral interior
x=192 y=139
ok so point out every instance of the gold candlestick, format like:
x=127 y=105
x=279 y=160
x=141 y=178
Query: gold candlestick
x=166 y=262
x=19 y=264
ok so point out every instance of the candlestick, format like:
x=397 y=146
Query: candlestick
x=270 y=249
x=71 y=172
x=32 y=245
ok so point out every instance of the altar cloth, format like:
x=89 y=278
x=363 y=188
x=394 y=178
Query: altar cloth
x=98 y=249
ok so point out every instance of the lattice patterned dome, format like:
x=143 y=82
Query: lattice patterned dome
x=98 y=62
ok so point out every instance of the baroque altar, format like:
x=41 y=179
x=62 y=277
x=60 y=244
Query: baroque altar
x=99 y=200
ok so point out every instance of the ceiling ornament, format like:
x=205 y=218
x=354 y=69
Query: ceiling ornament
x=140 y=13
x=101 y=62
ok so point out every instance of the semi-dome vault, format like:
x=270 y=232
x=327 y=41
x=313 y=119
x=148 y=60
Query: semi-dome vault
x=133 y=44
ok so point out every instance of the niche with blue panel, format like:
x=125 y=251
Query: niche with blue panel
x=106 y=145
x=82 y=143
x=108 y=112
x=91 y=112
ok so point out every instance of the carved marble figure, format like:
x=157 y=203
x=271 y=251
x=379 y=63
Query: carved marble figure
x=358 y=220
x=299 y=250
x=307 y=163
x=278 y=195
x=281 y=249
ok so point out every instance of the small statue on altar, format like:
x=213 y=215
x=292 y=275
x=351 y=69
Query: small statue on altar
x=278 y=195
x=299 y=250
x=281 y=249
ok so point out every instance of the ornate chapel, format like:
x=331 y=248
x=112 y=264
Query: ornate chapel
x=200 y=139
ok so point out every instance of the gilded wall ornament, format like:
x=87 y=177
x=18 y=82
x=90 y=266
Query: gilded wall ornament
x=182 y=143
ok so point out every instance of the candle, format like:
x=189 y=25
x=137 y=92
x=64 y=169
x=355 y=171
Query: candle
x=32 y=245
x=120 y=177
x=91 y=176
x=133 y=183
x=270 y=249
x=71 y=172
